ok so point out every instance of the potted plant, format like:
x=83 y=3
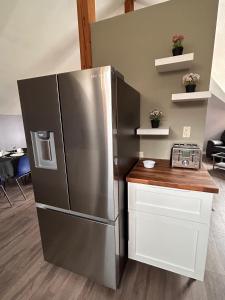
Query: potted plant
x=190 y=81
x=177 y=44
x=155 y=117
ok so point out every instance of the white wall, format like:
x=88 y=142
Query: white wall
x=215 y=120
x=218 y=67
x=143 y=3
x=11 y=132
x=108 y=9
x=38 y=37
x=216 y=90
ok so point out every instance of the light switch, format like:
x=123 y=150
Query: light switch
x=141 y=154
x=186 y=132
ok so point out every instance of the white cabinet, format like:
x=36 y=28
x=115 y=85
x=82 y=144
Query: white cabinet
x=169 y=228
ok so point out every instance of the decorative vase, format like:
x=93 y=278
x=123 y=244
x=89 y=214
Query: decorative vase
x=178 y=51
x=155 y=123
x=190 y=88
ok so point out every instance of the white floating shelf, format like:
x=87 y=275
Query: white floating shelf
x=196 y=96
x=174 y=63
x=153 y=131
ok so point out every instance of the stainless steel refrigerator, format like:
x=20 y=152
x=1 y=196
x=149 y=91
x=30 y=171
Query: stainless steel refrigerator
x=81 y=135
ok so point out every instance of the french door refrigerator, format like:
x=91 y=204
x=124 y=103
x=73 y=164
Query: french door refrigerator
x=81 y=135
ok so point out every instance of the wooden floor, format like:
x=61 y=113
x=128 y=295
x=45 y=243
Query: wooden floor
x=25 y=275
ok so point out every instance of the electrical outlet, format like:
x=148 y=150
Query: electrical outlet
x=141 y=154
x=186 y=132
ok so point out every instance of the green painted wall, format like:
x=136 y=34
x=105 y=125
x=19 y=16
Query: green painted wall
x=133 y=41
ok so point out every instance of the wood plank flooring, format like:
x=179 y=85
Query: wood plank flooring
x=24 y=275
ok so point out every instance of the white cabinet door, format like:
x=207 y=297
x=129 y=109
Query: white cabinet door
x=182 y=204
x=172 y=244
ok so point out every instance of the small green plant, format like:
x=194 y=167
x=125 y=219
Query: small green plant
x=177 y=41
x=156 y=115
x=191 y=79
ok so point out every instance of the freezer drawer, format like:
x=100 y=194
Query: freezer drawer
x=80 y=245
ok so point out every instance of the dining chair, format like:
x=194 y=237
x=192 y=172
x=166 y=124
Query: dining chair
x=4 y=191
x=23 y=169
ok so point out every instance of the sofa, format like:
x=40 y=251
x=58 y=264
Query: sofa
x=215 y=146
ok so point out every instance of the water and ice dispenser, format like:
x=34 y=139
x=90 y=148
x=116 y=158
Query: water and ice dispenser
x=44 y=149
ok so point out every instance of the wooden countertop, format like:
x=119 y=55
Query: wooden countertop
x=163 y=175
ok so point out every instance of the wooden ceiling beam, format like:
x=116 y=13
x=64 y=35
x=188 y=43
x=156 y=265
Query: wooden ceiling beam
x=86 y=16
x=128 y=6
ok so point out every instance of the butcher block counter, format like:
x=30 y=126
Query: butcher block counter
x=169 y=217
x=163 y=175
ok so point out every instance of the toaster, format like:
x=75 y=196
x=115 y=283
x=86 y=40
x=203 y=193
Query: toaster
x=186 y=156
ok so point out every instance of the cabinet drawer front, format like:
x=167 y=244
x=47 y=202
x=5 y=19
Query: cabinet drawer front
x=168 y=243
x=189 y=205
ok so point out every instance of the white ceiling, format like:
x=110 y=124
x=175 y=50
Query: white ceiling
x=36 y=38
x=41 y=37
x=104 y=9
x=110 y=8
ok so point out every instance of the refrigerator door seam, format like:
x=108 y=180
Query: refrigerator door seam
x=64 y=153
x=115 y=141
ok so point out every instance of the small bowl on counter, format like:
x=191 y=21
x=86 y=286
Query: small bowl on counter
x=149 y=164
